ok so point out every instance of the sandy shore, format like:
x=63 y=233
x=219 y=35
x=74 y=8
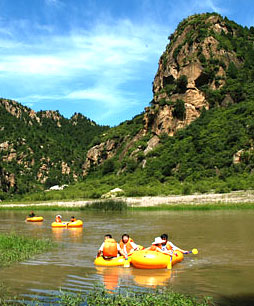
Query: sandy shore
x=233 y=197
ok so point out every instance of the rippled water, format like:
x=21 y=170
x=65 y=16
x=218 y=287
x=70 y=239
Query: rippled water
x=223 y=267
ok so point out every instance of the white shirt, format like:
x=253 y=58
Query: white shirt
x=164 y=247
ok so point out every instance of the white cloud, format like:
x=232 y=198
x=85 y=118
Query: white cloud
x=111 y=96
x=53 y=2
x=92 y=63
x=84 y=65
x=102 y=48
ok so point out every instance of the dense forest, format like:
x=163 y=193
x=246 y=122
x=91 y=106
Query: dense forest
x=214 y=152
x=41 y=150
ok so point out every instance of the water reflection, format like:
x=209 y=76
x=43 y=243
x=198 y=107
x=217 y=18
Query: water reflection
x=73 y=234
x=112 y=276
x=151 y=278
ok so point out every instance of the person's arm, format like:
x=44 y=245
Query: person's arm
x=120 y=251
x=163 y=252
x=100 y=250
x=166 y=252
x=175 y=248
x=134 y=246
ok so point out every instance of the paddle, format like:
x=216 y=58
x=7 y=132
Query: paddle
x=193 y=251
x=126 y=263
x=169 y=266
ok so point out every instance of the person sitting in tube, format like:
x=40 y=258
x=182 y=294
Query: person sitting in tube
x=109 y=248
x=127 y=245
x=31 y=215
x=58 y=219
x=73 y=219
x=157 y=246
x=169 y=246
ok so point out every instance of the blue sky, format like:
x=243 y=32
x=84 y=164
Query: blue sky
x=96 y=57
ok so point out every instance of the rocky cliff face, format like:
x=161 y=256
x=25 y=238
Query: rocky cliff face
x=183 y=73
x=97 y=154
x=194 y=64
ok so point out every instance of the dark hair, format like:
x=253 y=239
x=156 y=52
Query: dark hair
x=164 y=236
x=126 y=236
x=72 y=217
x=108 y=235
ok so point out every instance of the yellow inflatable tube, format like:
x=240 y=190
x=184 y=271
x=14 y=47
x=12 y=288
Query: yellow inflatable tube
x=116 y=261
x=67 y=224
x=34 y=219
x=154 y=260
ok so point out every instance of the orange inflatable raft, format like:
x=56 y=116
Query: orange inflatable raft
x=116 y=261
x=154 y=260
x=67 y=224
x=34 y=219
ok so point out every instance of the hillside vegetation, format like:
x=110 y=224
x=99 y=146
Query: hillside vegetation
x=38 y=150
x=196 y=136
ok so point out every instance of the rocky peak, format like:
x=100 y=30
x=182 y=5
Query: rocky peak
x=77 y=117
x=195 y=60
x=193 y=67
x=19 y=111
x=54 y=115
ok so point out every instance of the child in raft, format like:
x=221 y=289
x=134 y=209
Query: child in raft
x=109 y=248
x=169 y=246
x=127 y=245
x=73 y=219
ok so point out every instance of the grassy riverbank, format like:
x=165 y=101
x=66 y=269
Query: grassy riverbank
x=211 y=206
x=131 y=298
x=15 y=248
x=123 y=205
x=100 y=296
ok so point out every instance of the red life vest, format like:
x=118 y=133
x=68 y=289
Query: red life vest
x=110 y=248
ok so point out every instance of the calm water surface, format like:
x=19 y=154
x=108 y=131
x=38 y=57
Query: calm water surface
x=223 y=267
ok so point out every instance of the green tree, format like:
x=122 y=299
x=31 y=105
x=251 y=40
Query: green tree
x=179 y=110
x=108 y=166
x=181 y=84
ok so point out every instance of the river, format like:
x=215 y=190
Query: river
x=223 y=268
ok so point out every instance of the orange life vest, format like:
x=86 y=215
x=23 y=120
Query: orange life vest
x=58 y=219
x=73 y=219
x=128 y=245
x=110 y=248
x=154 y=247
x=168 y=246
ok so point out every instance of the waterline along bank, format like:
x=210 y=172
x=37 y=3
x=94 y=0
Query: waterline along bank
x=125 y=204
x=16 y=248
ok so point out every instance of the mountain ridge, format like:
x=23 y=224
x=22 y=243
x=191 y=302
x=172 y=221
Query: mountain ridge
x=41 y=148
x=199 y=120
x=191 y=75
